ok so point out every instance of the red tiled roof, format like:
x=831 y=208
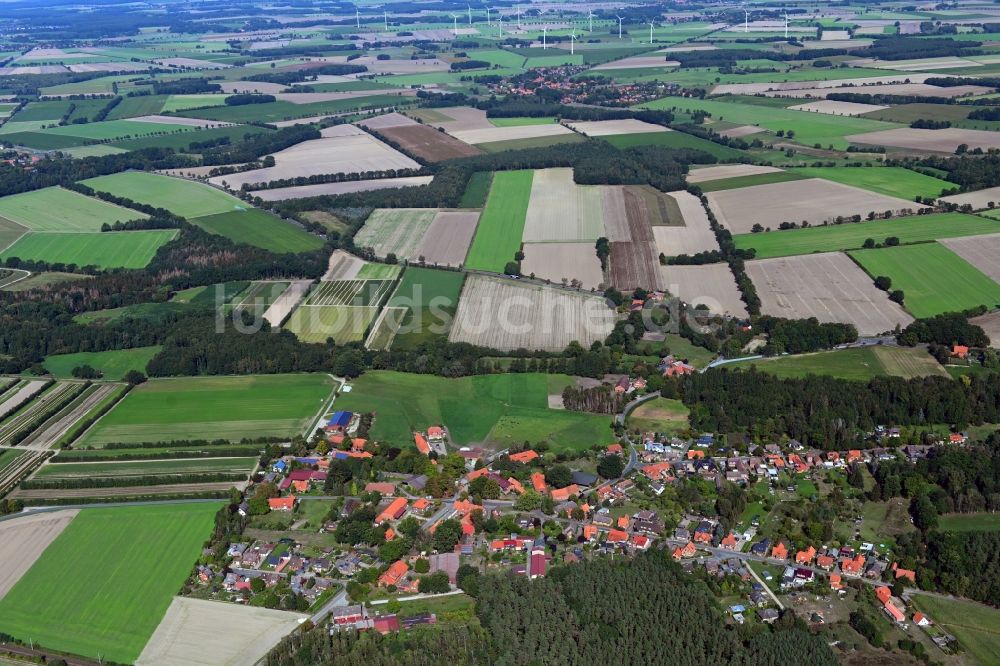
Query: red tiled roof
x=393 y=511
x=779 y=552
x=617 y=536
x=563 y=494
x=281 y=503
x=538 y=482
x=395 y=571
x=421 y=443
x=524 y=457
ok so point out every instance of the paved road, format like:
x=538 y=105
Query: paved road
x=337 y=600
x=767 y=589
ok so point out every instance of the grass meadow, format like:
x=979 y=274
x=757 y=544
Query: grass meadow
x=122 y=249
x=974 y=625
x=181 y=197
x=890 y=181
x=859 y=364
x=48 y=210
x=498 y=236
x=260 y=229
x=112 y=364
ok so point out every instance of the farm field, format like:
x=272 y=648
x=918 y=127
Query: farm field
x=559 y=210
x=675 y=139
x=979 y=200
x=346 y=187
x=727 y=171
x=344 y=324
x=136 y=559
x=181 y=197
x=859 y=364
x=890 y=181
x=109 y=469
x=512 y=133
x=504 y=315
x=750 y=181
x=712 y=285
x=164 y=410
x=48 y=210
x=556 y=262
x=980 y=251
x=423 y=305
x=447 y=240
x=663 y=415
x=828 y=286
x=121 y=249
x=508 y=408
x=348 y=292
x=501 y=225
x=427 y=143
x=933 y=278
x=695 y=236
x=260 y=229
x=851 y=236
x=974 y=625
x=397 y=231
x=112 y=364
x=24 y=540
x=934 y=141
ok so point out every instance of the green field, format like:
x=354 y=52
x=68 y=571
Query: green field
x=676 y=139
x=57 y=209
x=280 y=110
x=181 y=197
x=890 y=181
x=165 y=410
x=260 y=229
x=748 y=181
x=498 y=236
x=110 y=468
x=974 y=625
x=477 y=190
x=112 y=364
x=852 y=236
x=183 y=102
x=495 y=409
x=101 y=588
x=521 y=121
x=430 y=299
x=371 y=271
x=809 y=128
x=316 y=323
x=122 y=249
x=969 y=522
x=112 y=129
x=859 y=364
x=933 y=278
x=663 y=415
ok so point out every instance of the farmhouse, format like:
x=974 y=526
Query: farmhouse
x=281 y=503
x=394 y=511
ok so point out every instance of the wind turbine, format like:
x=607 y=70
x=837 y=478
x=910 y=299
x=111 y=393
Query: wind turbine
x=470 y=14
x=454 y=24
x=620 y=19
x=746 y=21
x=487 y=14
x=544 y=30
x=519 y=17
x=357 y=17
x=572 y=41
x=500 y=25
x=590 y=15
x=650 y=32
x=385 y=17
x=786 y=25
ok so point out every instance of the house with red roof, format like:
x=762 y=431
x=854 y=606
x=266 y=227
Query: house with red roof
x=729 y=541
x=702 y=537
x=394 y=511
x=836 y=582
x=524 y=457
x=281 y=503
x=394 y=573
x=623 y=522
x=853 y=567
x=589 y=532
x=515 y=486
x=538 y=482
x=893 y=612
x=656 y=471
x=614 y=449
x=921 y=620
x=380 y=487
x=422 y=444
x=695 y=453
x=958 y=438
x=824 y=562
x=421 y=504
x=908 y=574
x=390 y=534
x=779 y=551
x=617 y=536
x=853 y=456
x=435 y=433
x=563 y=494
x=640 y=541
x=805 y=556
x=960 y=351
x=301 y=486
x=475 y=474
x=688 y=550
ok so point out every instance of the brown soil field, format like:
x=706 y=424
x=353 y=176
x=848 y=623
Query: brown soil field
x=428 y=143
x=635 y=263
x=979 y=200
x=711 y=284
x=506 y=315
x=838 y=108
x=654 y=207
x=983 y=252
x=695 y=236
x=555 y=261
x=342 y=266
x=706 y=174
x=306 y=191
x=828 y=286
x=213 y=633
x=742 y=131
x=448 y=238
x=814 y=200
x=24 y=538
x=934 y=141
x=615 y=127
x=125 y=491
x=989 y=322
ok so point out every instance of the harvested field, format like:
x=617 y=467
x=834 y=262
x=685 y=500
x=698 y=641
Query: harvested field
x=908 y=362
x=558 y=261
x=638 y=62
x=511 y=133
x=979 y=200
x=754 y=88
x=562 y=211
x=934 y=141
x=388 y=120
x=283 y=305
x=989 y=322
x=504 y=315
x=306 y=191
x=813 y=200
x=447 y=240
x=178 y=120
x=612 y=127
x=741 y=131
x=980 y=251
x=262 y=87
x=711 y=284
x=828 y=286
x=428 y=143
x=316 y=97
x=724 y=171
x=49 y=433
x=346 y=150
x=838 y=108
x=24 y=539
x=13 y=400
x=635 y=263
x=453 y=119
x=695 y=236
x=210 y=633
x=395 y=230
x=343 y=266
x=613 y=209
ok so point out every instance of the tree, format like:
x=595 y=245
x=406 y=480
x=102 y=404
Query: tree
x=883 y=282
x=611 y=466
x=408 y=527
x=512 y=268
x=421 y=566
x=86 y=372
x=134 y=378
x=559 y=476
x=467 y=579
x=435 y=583
x=447 y=535
x=528 y=501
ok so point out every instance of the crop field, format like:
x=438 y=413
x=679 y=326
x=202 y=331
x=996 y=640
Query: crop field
x=851 y=236
x=343 y=323
x=121 y=249
x=260 y=229
x=934 y=141
x=562 y=211
x=349 y=292
x=556 y=262
x=343 y=266
x=494 y=134
x=811 y=200
x=726 y=171
x=828 y=286
x=49 y=209
x=504 y=315
x=284 y=110
x=24 y=539
x=834 y=108
x=501 y=225
x=427 y=143
x=181 y=197
x=676 y=139
x=164 y=410
x=346 y=187
x=750 y=181
x=508 y=408
x=712 y=285
x=933 y=278
x=989 y=322
x=860 y=364
x=980 y=251
x=111 y=364
x=979 y=200
x=422 y=306
x=184 y=102
x=112 y=469
x=890 y=181
x=379 y=272
x=634 y=261
x=447 y=240
x=616 y=127
x=695 y=236
x=136 y=558
x=397 y=231
x=974 y=625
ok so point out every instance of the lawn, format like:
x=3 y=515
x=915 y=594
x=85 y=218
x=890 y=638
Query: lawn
x=112 y=364
x=890 y=181
x=806 y=488
x=664 y=415
x=260 y=229
x=676 y=139
x=122 y=249
x=165 y=410
x=181 y=197
x=933 y=278
x=678 y=346
x=101 y=588
x=852 y=236
x=974 y=625
x=492 y=409
x=969 y=522
x=498 y=236
x=57 y=209
x=809 y=128
x=860 y=364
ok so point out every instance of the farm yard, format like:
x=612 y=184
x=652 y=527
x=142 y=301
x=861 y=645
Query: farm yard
x=712 y=285
x=973 y=624
x=828 y=286
x=504 y=315
x=933 y=278
x=135 y=557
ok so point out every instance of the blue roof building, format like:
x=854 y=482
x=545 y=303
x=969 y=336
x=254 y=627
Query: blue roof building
x=340 y=419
